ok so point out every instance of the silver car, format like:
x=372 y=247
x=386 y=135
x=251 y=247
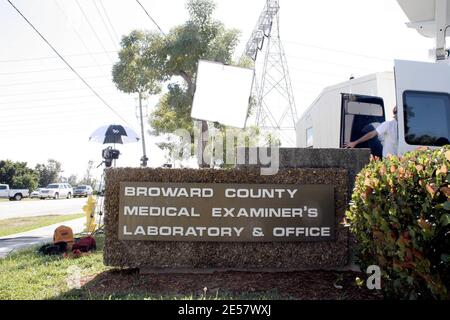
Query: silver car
x=82 y=191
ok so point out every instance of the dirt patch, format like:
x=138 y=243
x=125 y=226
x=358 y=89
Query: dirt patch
x=311 y=285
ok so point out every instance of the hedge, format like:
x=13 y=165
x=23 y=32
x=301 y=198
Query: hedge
x=400 y=216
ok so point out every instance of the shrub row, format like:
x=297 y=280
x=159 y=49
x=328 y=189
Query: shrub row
x=400 y=216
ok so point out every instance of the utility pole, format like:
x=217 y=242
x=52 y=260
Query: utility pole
x=144 y=158
x=202 y=142
x=275 y=111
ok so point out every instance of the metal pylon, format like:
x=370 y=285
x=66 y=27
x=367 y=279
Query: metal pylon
x=276 y=111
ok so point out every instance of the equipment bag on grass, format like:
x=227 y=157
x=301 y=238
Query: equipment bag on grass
x=85 y=244
x=63 y=234
x=52 y=249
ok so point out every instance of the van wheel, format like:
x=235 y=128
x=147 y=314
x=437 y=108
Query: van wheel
x=69 y=195
x=18 y=197
x=56 y=196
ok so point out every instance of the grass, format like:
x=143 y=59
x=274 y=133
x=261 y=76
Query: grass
x=17 y=225
x=26 y=275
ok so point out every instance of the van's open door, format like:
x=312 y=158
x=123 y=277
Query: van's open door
x=423 y=104
x=360 y=115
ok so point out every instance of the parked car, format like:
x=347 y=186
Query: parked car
x=35 y=193
x=82 y=191
x=56 y=191
x=13 y=194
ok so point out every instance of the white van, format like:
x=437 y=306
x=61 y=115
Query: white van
x=346 y=111
x=421 y=91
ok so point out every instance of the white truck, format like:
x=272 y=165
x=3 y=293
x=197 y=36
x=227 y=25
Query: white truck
x=13 y=194
x=421 y=91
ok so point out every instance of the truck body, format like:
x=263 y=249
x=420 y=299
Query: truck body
x=345 y=112
x=13 y=194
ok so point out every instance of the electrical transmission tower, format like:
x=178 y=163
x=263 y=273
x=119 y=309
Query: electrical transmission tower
x=276 y=112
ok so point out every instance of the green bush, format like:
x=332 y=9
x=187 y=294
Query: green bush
x=400 y=216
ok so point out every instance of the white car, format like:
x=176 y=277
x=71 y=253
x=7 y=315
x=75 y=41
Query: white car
x=56 y=191
x=35 y=193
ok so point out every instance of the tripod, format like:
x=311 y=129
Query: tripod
x=99 y=207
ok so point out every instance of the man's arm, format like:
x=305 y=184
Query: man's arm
x=364 y=138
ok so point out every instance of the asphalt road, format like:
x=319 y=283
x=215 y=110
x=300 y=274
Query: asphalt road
x=31 y=208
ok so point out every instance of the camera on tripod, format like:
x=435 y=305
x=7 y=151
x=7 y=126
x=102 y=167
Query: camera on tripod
x=110 y=154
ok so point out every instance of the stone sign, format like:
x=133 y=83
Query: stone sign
x=226 y=212
x=171 y=254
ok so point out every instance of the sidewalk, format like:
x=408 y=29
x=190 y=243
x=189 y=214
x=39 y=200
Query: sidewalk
x=42 y=235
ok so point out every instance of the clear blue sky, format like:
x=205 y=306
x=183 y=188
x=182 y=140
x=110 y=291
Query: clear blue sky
x=46 y=112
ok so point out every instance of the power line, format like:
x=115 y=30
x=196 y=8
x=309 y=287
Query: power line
x=46 y=105
x=33 y=118
x=148 y=15
x=92 y=29
x=47 y=129
x=81 y=38
x=51 y=99
x=68 y=65
x=317 y=72
x=51 y=91
x=104 y=23
x=109 y=21
x=327 y=62
x=338 y=51
x=53 y=57
x=40 y=114
x=50 y=70
x=50 y=81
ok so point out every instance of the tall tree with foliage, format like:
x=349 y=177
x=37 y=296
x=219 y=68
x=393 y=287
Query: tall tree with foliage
x=148 y=60
x=140 y=68
x=201 y=37
x=48 y=172
x=17 y=175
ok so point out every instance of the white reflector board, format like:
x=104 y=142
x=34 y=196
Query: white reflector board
x=222 y=93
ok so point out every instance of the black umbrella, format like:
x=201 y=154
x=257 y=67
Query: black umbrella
x=114 y=133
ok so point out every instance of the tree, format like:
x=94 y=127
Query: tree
x=88 y=178
x=49 y=172
x=147 y=60
x=72 y=180
x=200 y=37
x=18 y=175
x=140 y=69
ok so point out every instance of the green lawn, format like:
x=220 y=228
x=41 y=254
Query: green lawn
x=17 y=225
x=26 y=275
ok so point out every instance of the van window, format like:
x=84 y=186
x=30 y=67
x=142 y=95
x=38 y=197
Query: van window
x=427 y=118
x=309 y=137
x=362 y=108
